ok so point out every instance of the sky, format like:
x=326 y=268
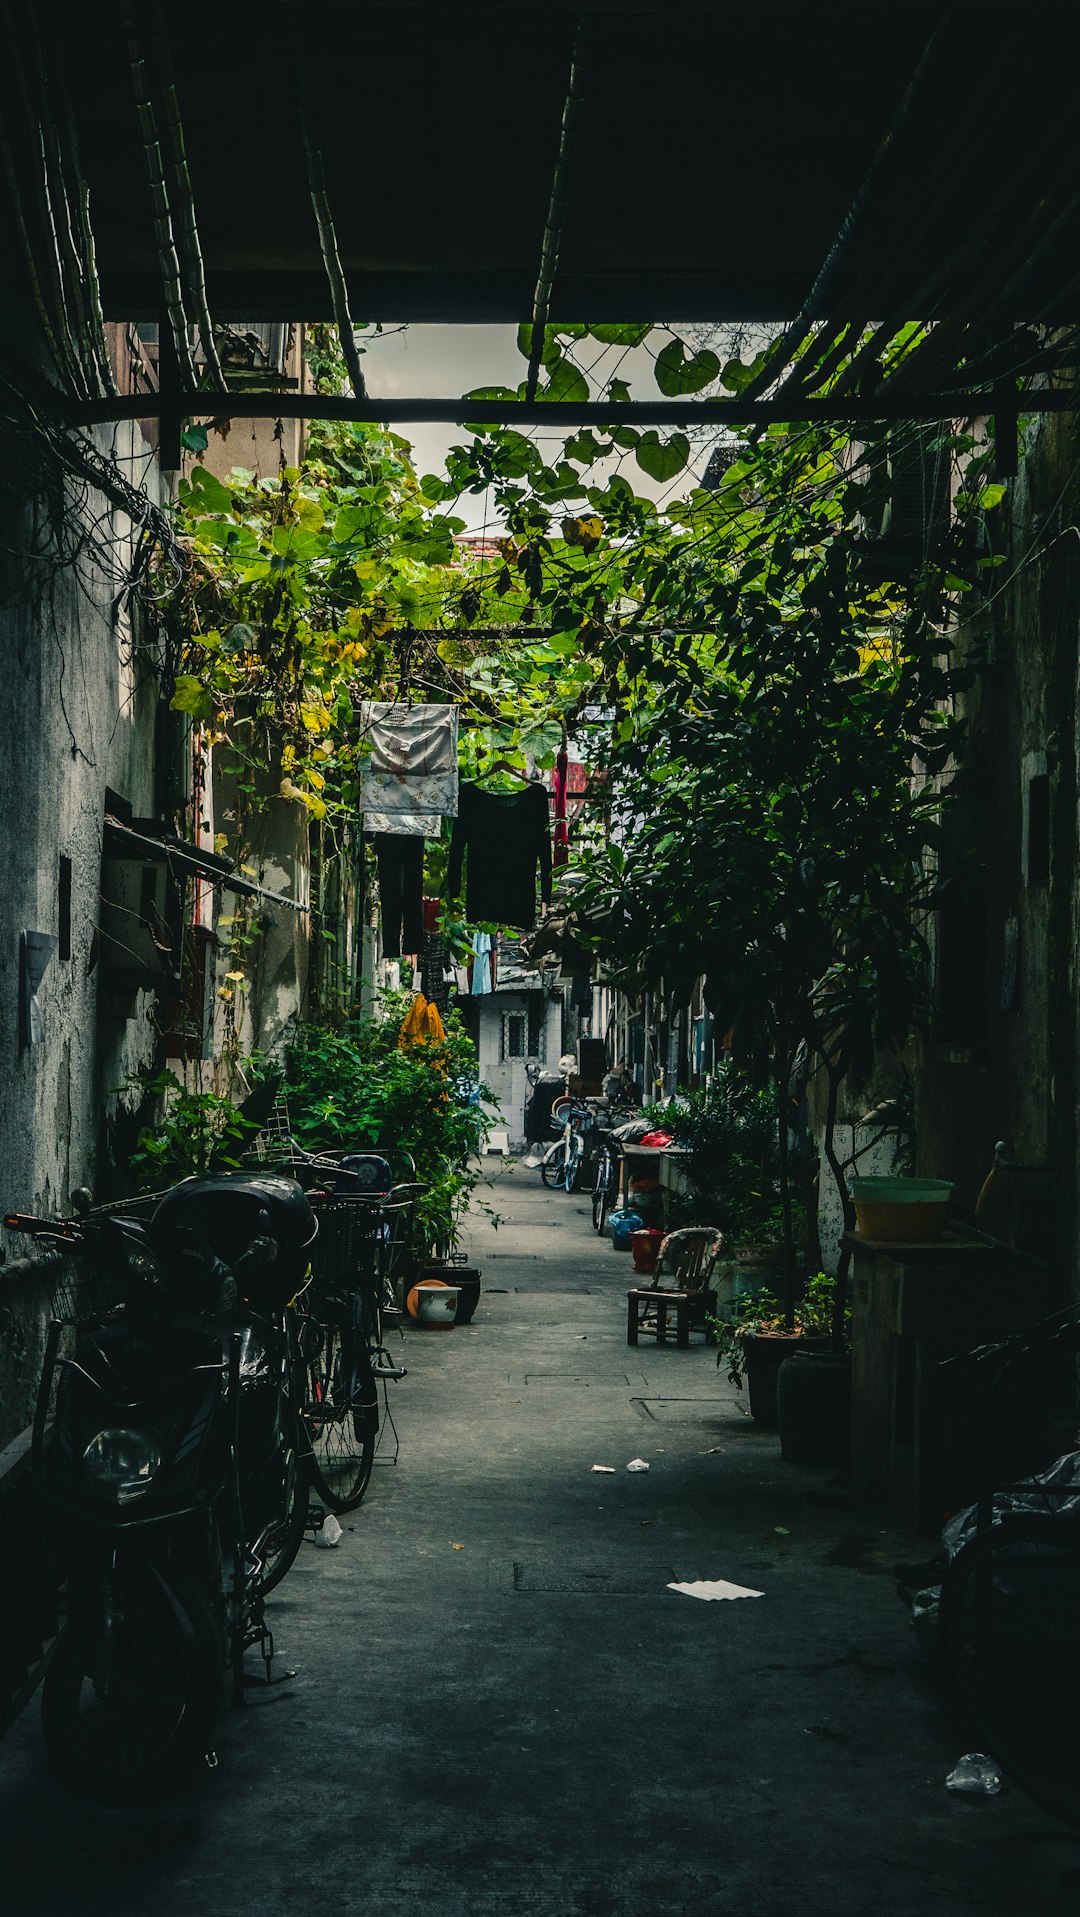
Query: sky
x=420 y=362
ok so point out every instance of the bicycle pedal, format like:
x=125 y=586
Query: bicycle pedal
x=389 y=1370
x=391 y=1313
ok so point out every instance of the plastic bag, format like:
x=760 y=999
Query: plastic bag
x=976 y=1774
x=1062 y=1479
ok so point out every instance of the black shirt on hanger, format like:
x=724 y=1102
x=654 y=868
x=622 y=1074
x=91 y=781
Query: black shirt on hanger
x=501 y=837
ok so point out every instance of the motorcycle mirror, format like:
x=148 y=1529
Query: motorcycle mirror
x=261 y=1251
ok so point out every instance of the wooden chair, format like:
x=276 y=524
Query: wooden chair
x=687 y=1258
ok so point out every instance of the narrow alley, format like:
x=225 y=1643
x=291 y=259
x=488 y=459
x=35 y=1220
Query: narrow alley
x=500 y=1706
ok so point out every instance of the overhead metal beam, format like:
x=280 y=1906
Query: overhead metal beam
x=846 y=410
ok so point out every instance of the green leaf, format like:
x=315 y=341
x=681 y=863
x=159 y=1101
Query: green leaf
x=992 y=496
x=502 y=393
x=239 y=638
x=491 y=392
x=191 y=696
x=566 y=383
x=622 y=335
x=552 y=351
x=207 y=494
x=619 y=391
x=735 y=375
x=662 y=459
x=583 y=447
x=195 y=438
x=678 y=373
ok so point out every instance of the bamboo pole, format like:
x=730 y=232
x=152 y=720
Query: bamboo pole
x=189 y=231
x=332 y=259
x=168 y=258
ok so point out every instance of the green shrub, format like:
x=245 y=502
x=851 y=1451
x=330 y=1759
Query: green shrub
x=353 y=1088
x=729 y=1134
x=197 y=1133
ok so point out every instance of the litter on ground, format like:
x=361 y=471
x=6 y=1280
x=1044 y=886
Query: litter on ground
x=714 y=1588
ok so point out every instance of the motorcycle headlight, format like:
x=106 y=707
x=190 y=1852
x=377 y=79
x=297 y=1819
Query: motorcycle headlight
x=123 y=1462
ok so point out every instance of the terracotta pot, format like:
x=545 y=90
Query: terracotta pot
x=762 y=1358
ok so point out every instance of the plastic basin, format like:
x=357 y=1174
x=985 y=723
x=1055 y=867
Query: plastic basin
x=901 y=1210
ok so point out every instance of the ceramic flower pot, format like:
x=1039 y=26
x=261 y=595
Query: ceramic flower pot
x=434 y=1304
x=465 y=1278
x=813 y=1404
x=762 y=1357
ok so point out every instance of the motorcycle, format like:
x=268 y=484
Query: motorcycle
x=167 y=1450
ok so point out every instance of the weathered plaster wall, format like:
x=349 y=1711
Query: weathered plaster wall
x=1011 y=1074
x=78 y=715
x=268 y=837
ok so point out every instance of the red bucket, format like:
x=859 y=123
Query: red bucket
x=645 y=1246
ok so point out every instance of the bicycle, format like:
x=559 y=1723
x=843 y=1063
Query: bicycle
x=1010 y=1599
x=606 y=1180
x=342 y=1318
x=561 y=1166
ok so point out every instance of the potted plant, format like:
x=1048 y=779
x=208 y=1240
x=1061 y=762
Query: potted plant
x=755 y=1342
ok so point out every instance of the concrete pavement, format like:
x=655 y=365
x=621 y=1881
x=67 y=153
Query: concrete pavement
x=501 y=1707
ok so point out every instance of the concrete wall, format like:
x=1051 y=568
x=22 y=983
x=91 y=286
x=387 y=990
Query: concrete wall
x=261 y=446
x=507 y=1077
x=78 y=715
x=1001 y=1062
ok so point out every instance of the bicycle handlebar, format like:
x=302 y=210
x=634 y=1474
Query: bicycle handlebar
x=1060 y=1327
x=66 y=1230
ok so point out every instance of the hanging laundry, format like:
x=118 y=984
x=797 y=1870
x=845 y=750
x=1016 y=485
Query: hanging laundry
x=561 y=833
x=436 y=974
x=483 y=945
x=401 y=892
x=422 y=1025
x=501 y=838
x=410 y=776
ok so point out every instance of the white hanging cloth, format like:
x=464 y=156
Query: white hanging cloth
x=410 y=778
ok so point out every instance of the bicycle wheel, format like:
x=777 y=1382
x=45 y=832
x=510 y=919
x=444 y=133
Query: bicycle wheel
x=129 y=1705
x=553 y=1169
x=574 y=1163
x=601 y=1196
x=1007 y=1624
x=341 y=1418
x=279 y=1547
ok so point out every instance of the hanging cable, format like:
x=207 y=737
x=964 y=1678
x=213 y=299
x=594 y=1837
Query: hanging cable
x=802 y=325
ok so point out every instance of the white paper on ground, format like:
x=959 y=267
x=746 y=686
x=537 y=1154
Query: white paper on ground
x=637 y=1464
x=714 y=1588
x=607 y=1469
x=329 y=1532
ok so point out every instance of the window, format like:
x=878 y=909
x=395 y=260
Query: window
x=537 y=1028
x=64 y=907
x=515 y=1035
x=1037 y=848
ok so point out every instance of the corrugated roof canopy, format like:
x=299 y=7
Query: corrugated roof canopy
x=719 y=156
